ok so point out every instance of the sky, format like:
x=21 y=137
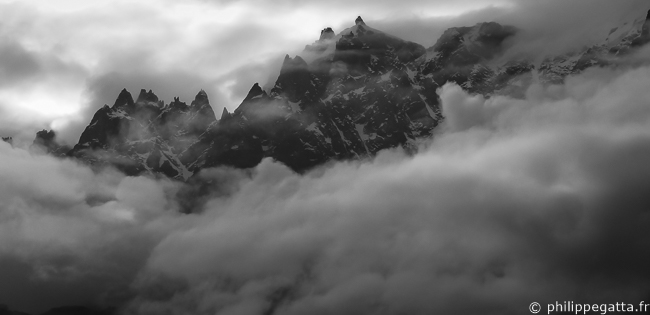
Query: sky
x=61 y=60
x=513 y=200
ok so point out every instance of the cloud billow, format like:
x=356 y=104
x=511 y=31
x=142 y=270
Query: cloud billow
x=541 y=199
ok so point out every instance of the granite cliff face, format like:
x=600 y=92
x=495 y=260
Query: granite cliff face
x=347 y=96
x=45 y=142
x=354 y=97
x=145 y=134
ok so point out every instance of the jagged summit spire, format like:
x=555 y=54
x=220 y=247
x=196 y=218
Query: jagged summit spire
x=359 y=21
x=177 y=104
x=291 y=64
x=225 y=114
x=327 y=33
x=147 y=96
x=201 y=98
x=292 y=61
x=255 y=92
x=124 y=99
x=256 y=89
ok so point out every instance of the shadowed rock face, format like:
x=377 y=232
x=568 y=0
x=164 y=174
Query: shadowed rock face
x=352 y=101
x=45 y=141
x=352 y=95
x=145 y=135
x=9 y=140
x=644 y=36
x=327 y=33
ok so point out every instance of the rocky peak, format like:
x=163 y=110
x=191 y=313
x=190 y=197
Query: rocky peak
x=291 y=64
x=200 y=98
x=358 y=45
x=9 y=140
x=225 y=114
x=202 y=105
x=177 y=104
x=45 y=141
x=327 y=37
x=492 y=30
x=359 y=21
x=327 y=33
x=124 y=99
x=256 y=91
x=45 y=136
x=147 y=96
x=488 y=38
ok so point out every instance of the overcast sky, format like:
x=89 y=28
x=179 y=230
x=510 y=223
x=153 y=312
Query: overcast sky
x=60 y=60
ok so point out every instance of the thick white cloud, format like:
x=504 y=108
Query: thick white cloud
x=70 y=236
x=540 y=199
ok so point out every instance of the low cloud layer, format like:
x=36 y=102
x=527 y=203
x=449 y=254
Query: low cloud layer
x=70 y=236
x=515 y=200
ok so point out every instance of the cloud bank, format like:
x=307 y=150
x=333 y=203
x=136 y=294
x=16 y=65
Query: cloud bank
x=515 y=200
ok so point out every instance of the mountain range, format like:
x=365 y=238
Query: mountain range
x=347 y=96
